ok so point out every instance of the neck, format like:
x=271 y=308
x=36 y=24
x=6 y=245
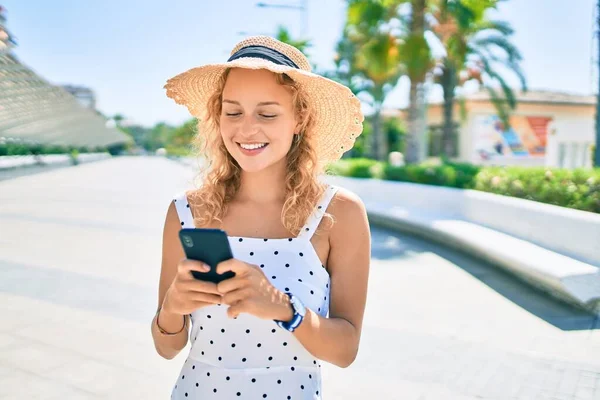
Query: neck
x=263 y=187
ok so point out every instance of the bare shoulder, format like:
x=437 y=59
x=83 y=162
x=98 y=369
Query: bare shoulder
x=350 y=218
x=347 y=208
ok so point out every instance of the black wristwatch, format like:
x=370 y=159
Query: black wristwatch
x=299 y=312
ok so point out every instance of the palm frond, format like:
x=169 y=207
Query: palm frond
x=484 y=54
x=501 y=43
x=502 y=27
x=509 y=96
x=500 y=105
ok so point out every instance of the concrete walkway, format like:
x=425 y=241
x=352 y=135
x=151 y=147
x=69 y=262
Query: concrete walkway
x=79 y=268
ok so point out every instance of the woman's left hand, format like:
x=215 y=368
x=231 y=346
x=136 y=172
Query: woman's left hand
x=250 y=291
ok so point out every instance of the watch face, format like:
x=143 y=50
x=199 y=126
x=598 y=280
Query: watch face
x=298 y=306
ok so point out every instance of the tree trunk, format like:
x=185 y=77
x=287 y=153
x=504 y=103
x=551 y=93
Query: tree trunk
x=417 y=28
x=448 y=85
x=412 y=139
x=597 y=147
x=374 y=139
x=380 y=135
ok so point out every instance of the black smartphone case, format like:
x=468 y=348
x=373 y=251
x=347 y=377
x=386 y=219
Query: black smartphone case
x=210 y=246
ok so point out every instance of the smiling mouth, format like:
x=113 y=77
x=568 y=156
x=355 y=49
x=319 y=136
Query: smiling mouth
x=253 y=146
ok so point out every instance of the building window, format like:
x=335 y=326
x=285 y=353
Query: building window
x=573 y=154
x=562 y=153
x=585 y=156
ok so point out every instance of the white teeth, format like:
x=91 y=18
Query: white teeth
x=252 y=146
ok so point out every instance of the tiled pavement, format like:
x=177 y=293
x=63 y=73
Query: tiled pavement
x=79 y=265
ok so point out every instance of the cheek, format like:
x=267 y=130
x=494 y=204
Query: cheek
x=282 y=131
x=224 y=127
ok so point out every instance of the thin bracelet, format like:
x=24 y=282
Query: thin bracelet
x=165 y=332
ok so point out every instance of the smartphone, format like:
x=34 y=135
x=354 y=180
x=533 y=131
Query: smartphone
x=211 y=246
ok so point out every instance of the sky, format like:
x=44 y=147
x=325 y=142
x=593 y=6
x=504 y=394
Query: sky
x=125 y=50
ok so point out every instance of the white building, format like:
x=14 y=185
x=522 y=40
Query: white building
x=547 y=128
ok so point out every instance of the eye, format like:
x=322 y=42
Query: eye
x=268 y=116
x=232 y=114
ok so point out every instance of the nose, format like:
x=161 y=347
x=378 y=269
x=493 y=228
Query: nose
x=248 y=128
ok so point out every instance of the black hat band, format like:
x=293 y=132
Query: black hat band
x=266 y=53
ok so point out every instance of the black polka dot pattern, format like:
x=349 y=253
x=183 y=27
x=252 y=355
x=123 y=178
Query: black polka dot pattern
x=222 y=345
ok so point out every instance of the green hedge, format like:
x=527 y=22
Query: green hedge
x=355 y=167
x=21 y=149
x=453 y=175
x=579 y=188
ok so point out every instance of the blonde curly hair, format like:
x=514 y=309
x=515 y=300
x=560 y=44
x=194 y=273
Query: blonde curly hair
x=219 y=178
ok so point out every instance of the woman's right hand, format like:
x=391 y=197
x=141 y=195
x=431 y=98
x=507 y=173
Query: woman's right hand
x=186 y=293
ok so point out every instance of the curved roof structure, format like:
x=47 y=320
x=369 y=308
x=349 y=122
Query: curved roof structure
x=33 y=110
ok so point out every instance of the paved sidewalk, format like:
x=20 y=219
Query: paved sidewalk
x=79 y=267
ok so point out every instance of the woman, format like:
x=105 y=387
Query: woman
x=301 y=247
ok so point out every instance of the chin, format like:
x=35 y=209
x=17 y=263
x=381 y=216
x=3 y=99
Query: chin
x=253 y=166
x=259 y=162
x=248 y=164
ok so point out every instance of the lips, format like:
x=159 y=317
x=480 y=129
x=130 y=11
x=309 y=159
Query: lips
x=252 y=146
x=252 y=152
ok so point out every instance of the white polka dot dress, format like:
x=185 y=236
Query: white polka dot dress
x=248 y=357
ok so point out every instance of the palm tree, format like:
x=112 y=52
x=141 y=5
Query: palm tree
x=416 y=56
x=368 y=59
x=472 y=45
x=378 y=46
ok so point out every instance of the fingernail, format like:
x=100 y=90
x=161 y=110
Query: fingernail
x=204 y=268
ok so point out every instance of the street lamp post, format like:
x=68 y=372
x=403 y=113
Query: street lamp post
x=596 y=155
x=299 y=7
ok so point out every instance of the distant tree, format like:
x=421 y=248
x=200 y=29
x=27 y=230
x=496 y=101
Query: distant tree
x=283 y=35
x=158 y=136
x=183 y=135
x=368 y=60
x=118 y=118
x=475 y=48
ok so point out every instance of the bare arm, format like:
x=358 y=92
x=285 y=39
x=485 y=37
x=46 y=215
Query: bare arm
x=336 y=339
x=166 y=345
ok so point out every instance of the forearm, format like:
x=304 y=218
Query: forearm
x=168 y=346
x=334 y=340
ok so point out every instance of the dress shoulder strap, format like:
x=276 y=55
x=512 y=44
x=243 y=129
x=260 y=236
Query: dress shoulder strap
x=315 y=218
x=183 y=210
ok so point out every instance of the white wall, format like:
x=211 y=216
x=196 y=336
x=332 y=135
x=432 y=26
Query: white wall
x=573 y=128
x=575 y=135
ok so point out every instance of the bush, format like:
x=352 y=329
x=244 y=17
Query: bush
x=579 y=188
x=14 y=148
x=465 y=174
x=179 y=151
x=355 y=167
x=452 y=175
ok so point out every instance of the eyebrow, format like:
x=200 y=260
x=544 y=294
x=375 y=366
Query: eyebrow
x=263 y=103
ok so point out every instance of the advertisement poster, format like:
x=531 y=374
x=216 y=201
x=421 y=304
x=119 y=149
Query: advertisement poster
x=525 y=138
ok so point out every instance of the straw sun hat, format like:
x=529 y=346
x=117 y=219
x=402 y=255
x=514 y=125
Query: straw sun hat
x=338 y=119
